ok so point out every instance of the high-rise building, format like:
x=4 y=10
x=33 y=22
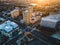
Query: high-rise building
x=27 y=15
x=15 y=12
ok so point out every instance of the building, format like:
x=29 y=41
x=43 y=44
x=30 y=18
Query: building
x=8 y=26
x=27 y=15
x=15 y=12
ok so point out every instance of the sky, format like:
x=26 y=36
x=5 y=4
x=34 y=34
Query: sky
x=37 y=1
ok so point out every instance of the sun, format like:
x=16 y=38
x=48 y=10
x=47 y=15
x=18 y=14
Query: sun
x=43 y=1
